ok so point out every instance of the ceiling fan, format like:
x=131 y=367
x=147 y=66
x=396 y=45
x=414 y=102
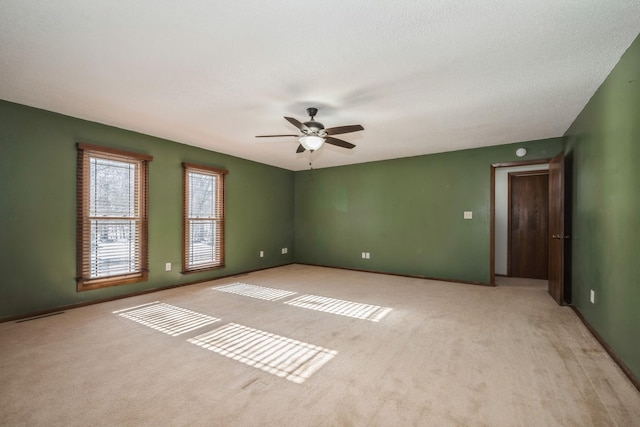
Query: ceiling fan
x=314 y=133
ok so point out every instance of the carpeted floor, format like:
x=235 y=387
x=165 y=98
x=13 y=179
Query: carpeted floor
x=310 y=346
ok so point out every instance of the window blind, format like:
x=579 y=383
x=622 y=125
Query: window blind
x=203 y=217
x=112 y=217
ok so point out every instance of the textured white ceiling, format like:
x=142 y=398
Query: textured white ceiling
x=420 y=76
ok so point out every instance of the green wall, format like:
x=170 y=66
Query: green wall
x=604 y=143
x=38 y=203
x=407 y=213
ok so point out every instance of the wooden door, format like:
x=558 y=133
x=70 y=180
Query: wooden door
x=528 y=242
x=556 y=229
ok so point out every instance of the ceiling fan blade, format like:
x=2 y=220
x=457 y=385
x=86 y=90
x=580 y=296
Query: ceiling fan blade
x=338 y=142
x=343 y=129
x=272 y=136
x=296 y=123
x=300 y=149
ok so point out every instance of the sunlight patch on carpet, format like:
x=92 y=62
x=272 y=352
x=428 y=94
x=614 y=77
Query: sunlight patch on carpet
x=167 y=318
x=284 y=357
x=358 y=310
x=253 y=291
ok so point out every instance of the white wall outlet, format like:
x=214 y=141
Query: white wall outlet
x=468 y=214
x=368 y=255
x=592 y=296
x=284 y=250
x=167 y=266
x=261 y=254
x=364 y=255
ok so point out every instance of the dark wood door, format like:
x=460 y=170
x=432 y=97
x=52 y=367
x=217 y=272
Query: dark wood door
x=528 y=253
x=556 y=228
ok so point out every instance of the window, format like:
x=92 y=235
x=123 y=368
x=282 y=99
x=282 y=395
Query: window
x=203 y=218
x=112 y=217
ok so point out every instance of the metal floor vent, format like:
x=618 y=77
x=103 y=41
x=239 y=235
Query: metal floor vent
x=39 y=317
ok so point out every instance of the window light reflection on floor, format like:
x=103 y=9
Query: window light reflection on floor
x=285 y=357
x=167 y=318
x=261 y=292
x=358 y=310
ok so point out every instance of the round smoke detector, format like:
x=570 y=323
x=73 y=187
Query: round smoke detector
x=521 y=152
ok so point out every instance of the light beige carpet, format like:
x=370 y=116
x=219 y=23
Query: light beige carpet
x=311 y=346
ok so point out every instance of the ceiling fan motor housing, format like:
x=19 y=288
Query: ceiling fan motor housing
x=314 y=128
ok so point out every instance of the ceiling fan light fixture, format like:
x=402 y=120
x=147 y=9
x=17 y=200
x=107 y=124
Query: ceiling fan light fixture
x=311 y=142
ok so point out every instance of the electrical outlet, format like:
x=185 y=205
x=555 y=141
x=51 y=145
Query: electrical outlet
x=167 y=266
x=364 y=255
x=261 y=254
x=368 y=255
x=468 y=215
x=284 y=250
x=592 y=296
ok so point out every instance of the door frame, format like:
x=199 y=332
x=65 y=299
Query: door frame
x=492 y=210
